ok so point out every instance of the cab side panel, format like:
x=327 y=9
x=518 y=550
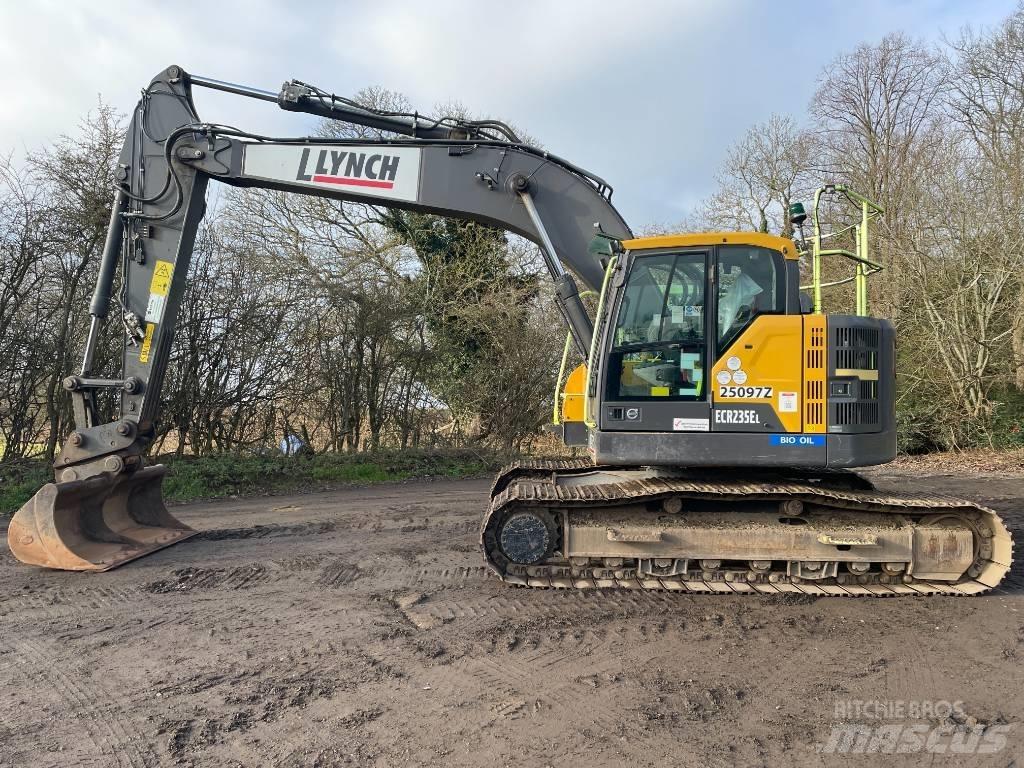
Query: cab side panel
x=757 y=381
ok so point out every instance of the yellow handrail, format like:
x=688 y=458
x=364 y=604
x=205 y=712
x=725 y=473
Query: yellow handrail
x=591 y=368
x=864 y=265
x=555 y=417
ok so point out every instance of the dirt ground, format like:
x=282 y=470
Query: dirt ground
x=359 y=627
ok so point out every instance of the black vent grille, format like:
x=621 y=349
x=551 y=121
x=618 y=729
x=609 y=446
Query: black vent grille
x=856 y=337
x=856 y=348
x=857 y=359
x=855 y=414
x=853 y=401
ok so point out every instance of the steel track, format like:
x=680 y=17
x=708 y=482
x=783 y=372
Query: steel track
x=533 y=485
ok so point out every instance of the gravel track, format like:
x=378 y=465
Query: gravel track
x=358 y=627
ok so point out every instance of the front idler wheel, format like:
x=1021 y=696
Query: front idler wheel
x=528 y=538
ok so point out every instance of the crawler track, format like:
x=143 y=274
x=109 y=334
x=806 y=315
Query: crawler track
x=536 y=486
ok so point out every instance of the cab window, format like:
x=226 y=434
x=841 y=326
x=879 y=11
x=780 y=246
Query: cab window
x=750 y=283
x=658 y=343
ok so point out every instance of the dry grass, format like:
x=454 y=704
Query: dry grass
x=975 y=461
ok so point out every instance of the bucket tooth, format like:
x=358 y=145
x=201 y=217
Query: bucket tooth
x=97 y=523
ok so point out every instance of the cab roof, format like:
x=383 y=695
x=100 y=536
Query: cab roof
x=782 y=244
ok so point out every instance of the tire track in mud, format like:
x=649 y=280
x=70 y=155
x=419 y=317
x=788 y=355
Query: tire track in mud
x=559 y=606
x=321 y=524
x=298 y=564
x=63 y=602
x=514 y=687
x=338 y=573
x=107 y=726
x=58 y=601
x=526 y=654
x=269 y=530
x=197 y=578
x=446 y=577
x=152 y=614
x=547 y=654
x=547 y=683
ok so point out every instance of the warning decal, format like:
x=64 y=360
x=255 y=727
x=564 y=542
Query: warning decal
x=147 y=343
x=788 y=402
x=158 y=289
x=161 y=282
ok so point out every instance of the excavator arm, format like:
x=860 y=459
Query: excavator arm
x=105 y=507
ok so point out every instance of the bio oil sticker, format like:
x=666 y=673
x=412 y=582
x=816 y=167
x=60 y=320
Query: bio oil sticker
x=740 y=377
x=733 y=363
x=723 y=377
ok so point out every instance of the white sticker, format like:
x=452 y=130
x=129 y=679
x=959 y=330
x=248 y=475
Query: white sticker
x=678 y=315
x=723 y=377
x=788 y=402
x=734 y=363
x=691 y=425
x=740 y=377
x=155 y=308
x=362 y=171
x=746 y=393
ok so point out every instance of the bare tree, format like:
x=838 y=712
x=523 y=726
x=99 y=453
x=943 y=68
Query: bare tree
x=986 y=99
x=762 y=174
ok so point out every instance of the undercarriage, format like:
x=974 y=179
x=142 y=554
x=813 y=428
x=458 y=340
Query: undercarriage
x=572 y=524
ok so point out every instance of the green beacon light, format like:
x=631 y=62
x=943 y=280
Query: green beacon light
x=797 y=217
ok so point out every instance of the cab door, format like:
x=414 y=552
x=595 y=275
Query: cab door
x=756 y=373
x=657 y=351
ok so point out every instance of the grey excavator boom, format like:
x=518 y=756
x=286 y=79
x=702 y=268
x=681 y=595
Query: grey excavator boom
x=102 y=510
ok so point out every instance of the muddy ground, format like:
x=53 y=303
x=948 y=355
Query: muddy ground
x=358 y=627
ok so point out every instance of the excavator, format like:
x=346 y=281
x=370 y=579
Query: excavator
x=722 y=409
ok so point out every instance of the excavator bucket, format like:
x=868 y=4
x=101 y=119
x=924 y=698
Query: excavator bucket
x=97 y=523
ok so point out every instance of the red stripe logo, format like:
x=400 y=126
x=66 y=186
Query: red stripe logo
x=350 y=182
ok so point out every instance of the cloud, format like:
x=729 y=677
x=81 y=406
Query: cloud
x=648 y=94
x=498 y=56
x=73 y=52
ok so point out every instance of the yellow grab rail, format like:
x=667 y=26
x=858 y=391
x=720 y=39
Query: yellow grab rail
x=591 y=368
x=864 y=266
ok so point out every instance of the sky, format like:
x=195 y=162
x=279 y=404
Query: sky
x=648 y=94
